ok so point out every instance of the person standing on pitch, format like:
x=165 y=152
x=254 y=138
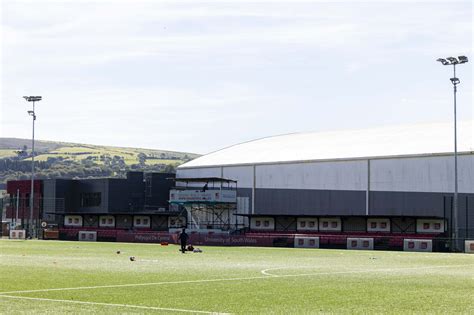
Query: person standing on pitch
x=183 y=237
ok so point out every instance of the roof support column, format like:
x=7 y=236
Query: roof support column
x=253 y=189
x=367 y=192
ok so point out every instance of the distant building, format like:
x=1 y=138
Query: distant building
x=140 y=200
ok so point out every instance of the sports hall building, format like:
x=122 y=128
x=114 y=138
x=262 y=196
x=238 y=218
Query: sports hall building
x=393 y=180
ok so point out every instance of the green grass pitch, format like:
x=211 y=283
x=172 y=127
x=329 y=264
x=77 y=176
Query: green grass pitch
x=38 y=277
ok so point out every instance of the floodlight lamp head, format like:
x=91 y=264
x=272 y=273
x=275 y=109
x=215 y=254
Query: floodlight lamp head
x=453 y=60
x=32 y=98
x=455 y=81
x=443 y=61
x=31 y=113
x=462 y=59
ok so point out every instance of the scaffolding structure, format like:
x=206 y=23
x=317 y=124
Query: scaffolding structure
x=208 y=203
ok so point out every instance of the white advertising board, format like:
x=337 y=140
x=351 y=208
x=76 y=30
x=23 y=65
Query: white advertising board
x=417 y=245
x=18 y=234
x=306 y=242
x=87 y=236
x=210 y=195
x=469 y=246
x=366 y=243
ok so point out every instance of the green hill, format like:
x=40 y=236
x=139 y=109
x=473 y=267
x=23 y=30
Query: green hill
x=72 y=160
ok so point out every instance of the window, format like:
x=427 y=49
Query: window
x=365 y=244
x=426 y=226
x=91 y=199
x=303 y=224
x=334 y=224
x=354 y=243
x=300 y=241
x=383 y=225
x=69 y=220
x=437 y=226
x=103 y=221
x=111 y=221
x=325 y=224
x=266 y=223
x=312 y=242
x=373 y=225
x=311 y=224
x=138 y=221
x=411 y=244
x=424 y=245
x=145 y=221
x=257 y=223
x=76 y=220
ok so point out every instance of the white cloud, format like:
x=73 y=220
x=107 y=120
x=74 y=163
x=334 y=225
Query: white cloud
x=158 y=73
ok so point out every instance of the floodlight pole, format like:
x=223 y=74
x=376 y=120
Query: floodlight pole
x=32 y=173
x=32 y=191
x=455 y=81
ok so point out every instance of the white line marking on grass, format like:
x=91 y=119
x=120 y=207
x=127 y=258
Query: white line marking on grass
x=134 y=285
x=265 y=273
x=110 y=304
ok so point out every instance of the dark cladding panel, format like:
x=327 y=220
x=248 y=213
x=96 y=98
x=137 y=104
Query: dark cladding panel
x=406 y=204
x=287 y=224
x=88 y=191
x=158 y=186
x=57 y=198
x=159 y=222
x=123 y=221
x=403 y=225
x=354 y=224
x=466 y=216
x=124 y=197
x=66 y=195
x=49 y=197
x=309 y=202
x=91 y=221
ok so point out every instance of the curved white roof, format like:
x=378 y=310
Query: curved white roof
x=424 y=139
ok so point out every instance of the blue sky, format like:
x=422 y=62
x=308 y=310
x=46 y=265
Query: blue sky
x=197 y=76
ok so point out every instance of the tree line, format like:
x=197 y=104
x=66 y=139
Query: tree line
x=15 y=168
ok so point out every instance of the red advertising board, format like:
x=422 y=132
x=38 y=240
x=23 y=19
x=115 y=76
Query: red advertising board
x=195 y=239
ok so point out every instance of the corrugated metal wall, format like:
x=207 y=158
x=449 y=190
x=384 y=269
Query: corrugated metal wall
x=397 y=186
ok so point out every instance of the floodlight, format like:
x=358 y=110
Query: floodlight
x=453 y=60
x=462 y=59
x=455 y=81
x=32 y=98
x=443 y=61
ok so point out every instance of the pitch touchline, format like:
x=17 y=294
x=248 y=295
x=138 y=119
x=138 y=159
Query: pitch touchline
x=264 y=271
x=110 y=304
